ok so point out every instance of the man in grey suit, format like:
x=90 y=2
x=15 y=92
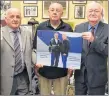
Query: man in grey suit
x=16 y=56
x=92 y=76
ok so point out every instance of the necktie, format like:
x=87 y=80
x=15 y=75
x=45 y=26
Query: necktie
x=17 y=48
x=92 y=34
x=92 y=30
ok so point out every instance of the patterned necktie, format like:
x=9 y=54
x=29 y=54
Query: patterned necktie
x=17 y=48
x=92 y=34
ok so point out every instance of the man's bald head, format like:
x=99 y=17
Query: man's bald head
x=12 y=10
x=13 y=18
x=93 y=4
x=55 y=11
x=56 y=35
x=64 y=36
x=57 y=5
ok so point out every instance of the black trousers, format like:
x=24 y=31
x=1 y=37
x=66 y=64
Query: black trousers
x=55 y=58
x=85 y=89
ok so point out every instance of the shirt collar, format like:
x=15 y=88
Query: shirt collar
x=61 y=24
x=11 y=30
x=89 y=26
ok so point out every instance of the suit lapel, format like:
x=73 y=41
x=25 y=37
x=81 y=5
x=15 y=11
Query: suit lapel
x=7 y=37
x=23 y=38
x=98 y=31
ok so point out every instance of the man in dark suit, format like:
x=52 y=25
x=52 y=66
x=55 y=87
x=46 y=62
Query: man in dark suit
x=92 y=76
x=16 y=56
x=54 y=48
x=65 y=46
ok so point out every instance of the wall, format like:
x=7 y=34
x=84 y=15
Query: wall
x=20 y=5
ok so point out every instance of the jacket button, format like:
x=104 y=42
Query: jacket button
x=12 y=66
x=13 y=56
x=11 y=76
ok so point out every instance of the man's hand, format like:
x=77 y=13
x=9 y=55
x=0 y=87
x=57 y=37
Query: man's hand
x=88 y=36
x=64 y=54
x=37 y=66
x=70 y=73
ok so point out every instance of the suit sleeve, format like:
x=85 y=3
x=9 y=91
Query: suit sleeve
x=33 y=57
x=101 y=46
x=33 y=53
x=35 y=39
x=34 y=47
x=50 y=45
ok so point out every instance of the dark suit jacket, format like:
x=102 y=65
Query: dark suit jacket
x=53 y=47
x=65 y=46
x=94 y=59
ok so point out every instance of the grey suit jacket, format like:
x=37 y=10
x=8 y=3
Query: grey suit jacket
x=94 y=59
x=8 y=58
